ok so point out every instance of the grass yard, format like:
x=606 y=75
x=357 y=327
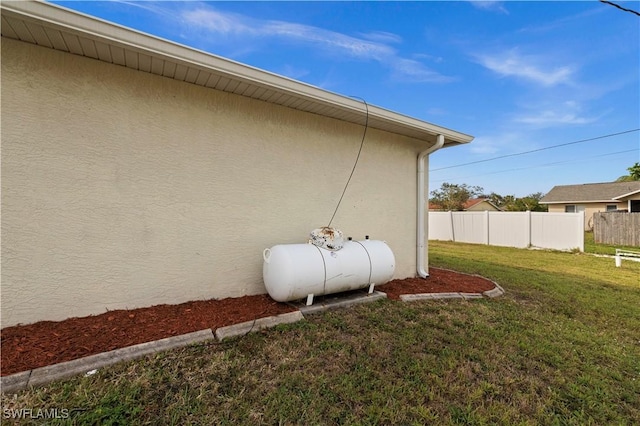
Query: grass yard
x=561 y=347
x=590 y=246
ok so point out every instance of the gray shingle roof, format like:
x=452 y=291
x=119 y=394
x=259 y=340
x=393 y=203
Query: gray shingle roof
x=590 y=192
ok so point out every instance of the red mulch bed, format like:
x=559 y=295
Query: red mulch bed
x=25 y=347
x=47 y=342
x=439 y=281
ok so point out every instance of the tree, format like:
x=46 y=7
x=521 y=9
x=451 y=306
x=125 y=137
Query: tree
x=634 y=174
x=452 y=196
x=529 y=203
x=502 y=202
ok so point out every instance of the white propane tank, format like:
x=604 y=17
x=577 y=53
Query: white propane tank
x=295 y=271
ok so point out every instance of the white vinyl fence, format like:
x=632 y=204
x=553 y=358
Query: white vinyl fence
x=558 y=231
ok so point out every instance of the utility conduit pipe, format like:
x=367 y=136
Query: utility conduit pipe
x=422 y=234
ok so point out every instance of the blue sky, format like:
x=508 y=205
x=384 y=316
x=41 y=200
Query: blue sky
x=519 y=76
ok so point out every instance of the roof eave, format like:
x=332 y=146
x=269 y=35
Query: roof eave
x=627 y=195
x=54 y=16
x=577 y=201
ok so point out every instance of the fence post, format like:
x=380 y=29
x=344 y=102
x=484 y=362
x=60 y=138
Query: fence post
x=486 y=226
x=453 y=234
x=529 y=230
x=581 y=233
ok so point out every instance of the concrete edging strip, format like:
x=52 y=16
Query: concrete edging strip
x=14 y=382
x=430 y=296
x=345 y=303
x=44 y=375
x=471 y=295
x=498 y=291
x=495 y=292
x=258 y=324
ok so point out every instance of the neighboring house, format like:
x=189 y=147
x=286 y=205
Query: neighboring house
x=594 y=197
x=480 y=204
x=136 y=171
x=475 y=204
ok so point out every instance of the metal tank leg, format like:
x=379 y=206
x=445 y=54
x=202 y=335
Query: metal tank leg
x=309 y=299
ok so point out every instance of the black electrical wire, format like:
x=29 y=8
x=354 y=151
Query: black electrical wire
x=255 y=319
x=537 y=150
x=620 y=7
x=579 y=160
x=366 y=126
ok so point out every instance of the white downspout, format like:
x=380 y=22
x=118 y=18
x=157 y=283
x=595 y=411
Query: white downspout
x=422 y=267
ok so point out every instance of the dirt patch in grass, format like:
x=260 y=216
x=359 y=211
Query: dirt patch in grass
x=25 y=347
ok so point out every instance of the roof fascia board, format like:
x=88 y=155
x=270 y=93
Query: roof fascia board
x=496 y=207
x=102 y=30
x=578 y=201
x=627 y=195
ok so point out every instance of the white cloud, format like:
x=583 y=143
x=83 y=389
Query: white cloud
x=293 y=72
x=431 y=58
x=233 y=24
x=216 y=22
x=382 y=37
x=528 y=67
x=496 y=6
x=416 y=71
x=562 y=22
x=550 y=118
x=567 y=113
x=491 y=144
x=374 y=46
x=148 y=6
x=437 y=111
x=325 y=39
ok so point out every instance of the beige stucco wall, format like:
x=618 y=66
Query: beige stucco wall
x=589 y=210
x=626 y=201
x=122 y=189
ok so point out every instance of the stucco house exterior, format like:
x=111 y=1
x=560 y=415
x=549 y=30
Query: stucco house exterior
x=137 y=171
x=594 y=197
x=480 y=205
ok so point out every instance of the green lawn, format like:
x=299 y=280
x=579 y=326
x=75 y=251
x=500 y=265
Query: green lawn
x=562 y=346
x=590 y=246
